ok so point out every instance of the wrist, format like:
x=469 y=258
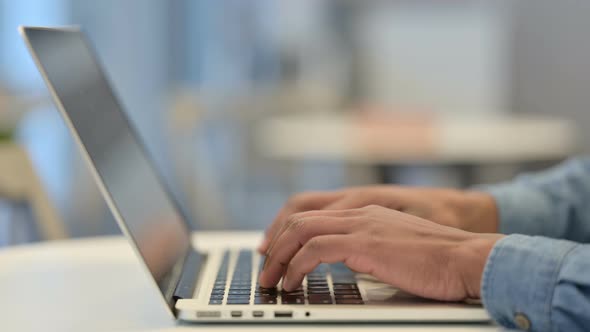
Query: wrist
x=480 y=212
x=470 y=258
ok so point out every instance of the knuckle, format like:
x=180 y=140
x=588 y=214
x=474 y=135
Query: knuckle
x=314 y=245
x=292 y=218
x=371 y=235
x=372 y=208
x=296 y=223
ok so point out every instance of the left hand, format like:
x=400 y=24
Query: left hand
x=413 y=254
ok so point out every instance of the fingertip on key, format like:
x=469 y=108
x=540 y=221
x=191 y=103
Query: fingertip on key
x=262 y=280
x=286 y=285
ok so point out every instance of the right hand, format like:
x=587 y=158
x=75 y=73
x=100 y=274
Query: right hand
x=410 y=253
x=467 y=210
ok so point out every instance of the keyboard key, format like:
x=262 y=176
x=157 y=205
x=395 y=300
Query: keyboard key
x=293 y=300
x=216 y=297
x=349 y=301
x=319 y=299
x=322 y=286
x=241 y=278
x=265 y=296
x=317 y=287
x=238 y=301
x=218 y=292
x=268 y=291
x=346 y=291
x=265 y=300
x=318 y=291
x=343 y=280
x=239 y=292
x=241 y=283
x=344 y=286
x=238 y=298
x=316 y=277
x=293 y=293
x=215 y=302
x=347 y=296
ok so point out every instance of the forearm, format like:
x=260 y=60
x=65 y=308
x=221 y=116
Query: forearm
x=553 y=203
x=541 y=281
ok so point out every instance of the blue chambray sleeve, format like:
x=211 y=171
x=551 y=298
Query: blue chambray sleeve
x=545 y=277
x=554 y=203
x=546 y=280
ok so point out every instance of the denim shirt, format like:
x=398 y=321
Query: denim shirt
x=542 y=277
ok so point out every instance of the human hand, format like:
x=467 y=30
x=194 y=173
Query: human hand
x=468 y=210
x=413 y=254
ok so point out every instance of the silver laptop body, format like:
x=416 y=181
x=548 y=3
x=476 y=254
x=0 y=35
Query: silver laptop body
x=217 y=285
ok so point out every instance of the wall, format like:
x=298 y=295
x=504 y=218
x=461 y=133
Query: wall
x=551 y=61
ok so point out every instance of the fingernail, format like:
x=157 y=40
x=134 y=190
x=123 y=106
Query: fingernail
x=286 y=285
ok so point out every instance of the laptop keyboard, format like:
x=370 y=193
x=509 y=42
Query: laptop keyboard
x=328 y=284
x=218 y=291
x=241 y=282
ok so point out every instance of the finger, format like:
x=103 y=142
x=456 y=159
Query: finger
x=390 y=197
x=350 y=202
x=318 y=250
x=296 y=235
x=299 y=203
x=317 y=213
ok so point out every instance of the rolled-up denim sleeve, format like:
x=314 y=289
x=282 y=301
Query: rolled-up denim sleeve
x=554 y=203
x=544 y=280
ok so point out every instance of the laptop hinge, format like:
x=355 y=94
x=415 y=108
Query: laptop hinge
x=188 y=279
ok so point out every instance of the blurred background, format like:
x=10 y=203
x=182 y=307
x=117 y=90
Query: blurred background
x=243 y=103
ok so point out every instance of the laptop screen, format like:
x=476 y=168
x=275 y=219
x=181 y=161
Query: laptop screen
x=137 y=197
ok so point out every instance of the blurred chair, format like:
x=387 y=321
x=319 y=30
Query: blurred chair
x=20 y=183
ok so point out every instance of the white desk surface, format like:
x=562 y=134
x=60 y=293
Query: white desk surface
x=409 y=139
x=96 y=284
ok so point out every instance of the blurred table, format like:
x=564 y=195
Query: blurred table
x=97 y=284
x=406 y=139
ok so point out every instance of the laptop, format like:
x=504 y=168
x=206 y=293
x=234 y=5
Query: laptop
x=216 y=285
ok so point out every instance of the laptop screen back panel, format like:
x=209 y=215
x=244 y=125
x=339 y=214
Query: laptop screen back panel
x=130 y=184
